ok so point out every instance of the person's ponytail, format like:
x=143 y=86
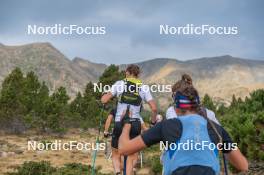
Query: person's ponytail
x=187 y=78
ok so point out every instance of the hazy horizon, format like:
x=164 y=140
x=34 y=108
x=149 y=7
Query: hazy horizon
x=139 y=60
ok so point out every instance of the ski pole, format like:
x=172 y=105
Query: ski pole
x=125 y=162
x=225 y=164
x=97 y=140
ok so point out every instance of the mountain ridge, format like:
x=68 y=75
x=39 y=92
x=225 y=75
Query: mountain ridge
x=218 y=76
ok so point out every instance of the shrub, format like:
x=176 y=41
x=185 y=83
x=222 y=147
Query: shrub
x=45 y=168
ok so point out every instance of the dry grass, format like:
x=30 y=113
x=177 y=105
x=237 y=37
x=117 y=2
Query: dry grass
x=57 y=158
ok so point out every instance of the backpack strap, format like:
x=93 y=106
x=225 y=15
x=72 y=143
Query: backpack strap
x=204 y=114
x=126 y=116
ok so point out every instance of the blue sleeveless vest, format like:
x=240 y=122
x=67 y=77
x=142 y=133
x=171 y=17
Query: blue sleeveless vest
x=195 y=131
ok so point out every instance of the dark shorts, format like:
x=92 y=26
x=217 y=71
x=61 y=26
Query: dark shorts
x=135 y=131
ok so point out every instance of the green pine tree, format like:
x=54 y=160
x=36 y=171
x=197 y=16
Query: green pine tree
x=11 y=101
x=208 y=103
x=111 y=75
x=30 y=91
x=58 y=111
x=37 y=117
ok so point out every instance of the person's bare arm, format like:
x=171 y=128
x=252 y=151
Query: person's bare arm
x=237 y=159
x=127 y=146
x=144 y=127
x=153 y=107
x=106 y=97
x=108 y=122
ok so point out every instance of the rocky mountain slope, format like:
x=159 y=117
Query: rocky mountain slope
x=220 y=77
x=47 y=62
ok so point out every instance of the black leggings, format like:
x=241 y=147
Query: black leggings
x=134 y=132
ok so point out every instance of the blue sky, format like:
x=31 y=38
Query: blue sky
x=133 y=27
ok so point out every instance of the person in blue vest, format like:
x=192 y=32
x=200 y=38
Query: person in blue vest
x=193 y=141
